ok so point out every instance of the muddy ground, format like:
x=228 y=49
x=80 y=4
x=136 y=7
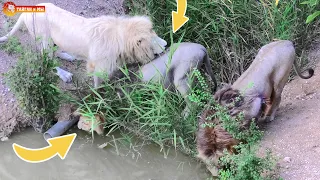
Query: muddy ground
x=293 y=136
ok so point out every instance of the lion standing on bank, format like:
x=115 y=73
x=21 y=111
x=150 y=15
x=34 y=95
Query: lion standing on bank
x=105 y=42
x=268 y=74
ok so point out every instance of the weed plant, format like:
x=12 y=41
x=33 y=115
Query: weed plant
x=33 y=82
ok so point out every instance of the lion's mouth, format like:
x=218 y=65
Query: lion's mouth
x=162 y=53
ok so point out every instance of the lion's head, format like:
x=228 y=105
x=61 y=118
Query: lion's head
x=116 y=41
x=227 y=96
x=143 y=43
x=251 y=105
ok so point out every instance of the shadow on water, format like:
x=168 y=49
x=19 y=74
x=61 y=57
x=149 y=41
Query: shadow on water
x=86 y=160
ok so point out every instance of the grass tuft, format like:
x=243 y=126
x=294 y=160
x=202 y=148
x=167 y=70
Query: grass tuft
x=34 y=84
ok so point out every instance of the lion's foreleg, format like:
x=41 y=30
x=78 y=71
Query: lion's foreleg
x=184 y=89
x=275 y=108
x=268 y=107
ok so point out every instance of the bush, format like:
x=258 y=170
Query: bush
x=247 y=165
x=33 y=82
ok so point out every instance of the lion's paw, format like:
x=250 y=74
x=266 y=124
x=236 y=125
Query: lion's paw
x=64 y=75
x=268 y=119
x=66 y=56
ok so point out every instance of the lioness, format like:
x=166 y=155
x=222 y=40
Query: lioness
x=106 y=42
x=187 y=57
x=268 y=74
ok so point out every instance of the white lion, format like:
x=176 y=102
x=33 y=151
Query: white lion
x=106 y=42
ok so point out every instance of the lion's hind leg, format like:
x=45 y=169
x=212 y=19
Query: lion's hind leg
x=181 y=83
x=276 y=94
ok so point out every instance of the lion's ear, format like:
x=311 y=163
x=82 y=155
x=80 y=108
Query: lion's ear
x=229 y=95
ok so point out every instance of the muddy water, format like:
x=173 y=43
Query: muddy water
x=117 y=161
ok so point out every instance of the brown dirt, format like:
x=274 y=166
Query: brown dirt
x=11 y=118
x=294 y=133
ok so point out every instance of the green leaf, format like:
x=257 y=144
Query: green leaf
x=311 y=17
x=305 y=2
x=310 y=2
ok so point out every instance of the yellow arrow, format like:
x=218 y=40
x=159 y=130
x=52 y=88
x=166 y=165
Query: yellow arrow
x=57 y=146
x=179 y=18
x=277 y=2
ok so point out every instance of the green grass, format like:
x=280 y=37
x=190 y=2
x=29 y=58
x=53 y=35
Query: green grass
x=314 y=15
x=153 y=113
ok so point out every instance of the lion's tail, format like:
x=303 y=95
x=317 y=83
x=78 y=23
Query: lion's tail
x=295 y=67
x=208 y=66
x=14 y=29
x=310 y=71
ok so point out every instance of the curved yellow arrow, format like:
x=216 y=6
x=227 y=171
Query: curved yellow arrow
x=57 y=146
x=179 y=18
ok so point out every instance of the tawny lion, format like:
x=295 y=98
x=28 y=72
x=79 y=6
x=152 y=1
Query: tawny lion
x=268 y=74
